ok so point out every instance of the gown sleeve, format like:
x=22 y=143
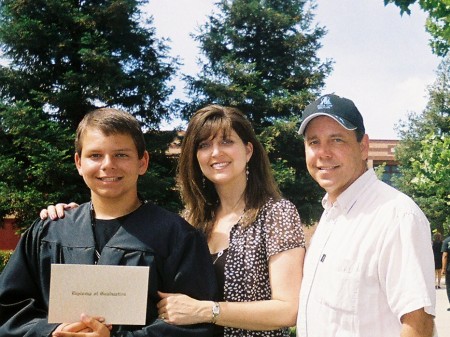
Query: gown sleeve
x=23 y=305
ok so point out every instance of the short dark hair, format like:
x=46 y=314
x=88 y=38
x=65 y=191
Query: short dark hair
x=111 y=121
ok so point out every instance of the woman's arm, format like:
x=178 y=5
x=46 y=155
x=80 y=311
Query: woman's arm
x=285 y=273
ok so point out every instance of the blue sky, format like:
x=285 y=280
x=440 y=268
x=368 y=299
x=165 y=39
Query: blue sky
x=382 y=60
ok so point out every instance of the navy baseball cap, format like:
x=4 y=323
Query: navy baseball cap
x=342 y=110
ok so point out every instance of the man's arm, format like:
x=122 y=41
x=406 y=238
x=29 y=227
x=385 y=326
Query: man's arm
x=417 y=324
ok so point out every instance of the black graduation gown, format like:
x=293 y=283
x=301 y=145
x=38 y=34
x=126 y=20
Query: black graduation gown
x=177 y=254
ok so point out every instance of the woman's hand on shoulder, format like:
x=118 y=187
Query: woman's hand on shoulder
x=56 y=211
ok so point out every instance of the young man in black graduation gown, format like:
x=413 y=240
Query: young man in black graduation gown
x=115 y=228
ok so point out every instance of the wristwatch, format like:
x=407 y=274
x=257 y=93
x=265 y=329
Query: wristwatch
x=215 y=312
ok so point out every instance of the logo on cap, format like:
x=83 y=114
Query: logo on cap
x=325 y=103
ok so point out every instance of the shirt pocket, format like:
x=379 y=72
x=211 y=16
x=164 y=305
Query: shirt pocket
x=340 y=288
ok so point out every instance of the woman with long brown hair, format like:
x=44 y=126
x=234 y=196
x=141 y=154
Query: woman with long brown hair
x=254 y=235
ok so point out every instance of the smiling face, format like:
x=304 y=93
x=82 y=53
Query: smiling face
x=223 y=159
x=334 y=158
x=110 y=165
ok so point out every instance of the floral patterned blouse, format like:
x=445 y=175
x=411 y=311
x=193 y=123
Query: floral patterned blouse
x=277 y=228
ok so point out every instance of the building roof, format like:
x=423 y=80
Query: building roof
x=382 y=150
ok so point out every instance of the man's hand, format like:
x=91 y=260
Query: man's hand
x=86 y=327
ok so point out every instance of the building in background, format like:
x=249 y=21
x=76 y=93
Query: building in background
x=8 y=233
x=382 y=152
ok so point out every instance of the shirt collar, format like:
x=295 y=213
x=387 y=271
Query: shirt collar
x=347 y=199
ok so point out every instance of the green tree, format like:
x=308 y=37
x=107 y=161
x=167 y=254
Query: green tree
x=424 y=153
x=260 y=56
x=438 y=22
x=70 y=56
x=287 y=155
x=35 y=163
x=158 y=184
x=37 y=166
x=63 y=59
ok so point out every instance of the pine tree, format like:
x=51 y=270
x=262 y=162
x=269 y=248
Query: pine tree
x=69 y=56
x=259 y=55
x=63 y=58
x=36 y=163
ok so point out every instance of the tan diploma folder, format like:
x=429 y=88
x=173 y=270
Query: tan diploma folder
x=117 y=293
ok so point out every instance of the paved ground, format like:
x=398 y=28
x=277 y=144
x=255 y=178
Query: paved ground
x=442 y=315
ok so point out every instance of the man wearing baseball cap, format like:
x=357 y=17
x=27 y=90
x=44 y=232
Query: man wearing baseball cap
x=369 y=268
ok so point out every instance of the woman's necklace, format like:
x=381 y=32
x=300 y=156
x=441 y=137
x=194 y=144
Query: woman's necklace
x=219 y=254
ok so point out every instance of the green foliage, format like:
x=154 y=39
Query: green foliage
x=69 y=56
x=287 y=155
x=431 y=184
x=36 y=165
x=438 y=22
x=292 y=332
x=64 y=58
x=424 y=153
x=158 y=184
x=259 y=56
x=379 y=170
x=4 y=257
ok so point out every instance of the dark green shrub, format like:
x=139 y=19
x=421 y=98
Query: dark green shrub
x=4 y=257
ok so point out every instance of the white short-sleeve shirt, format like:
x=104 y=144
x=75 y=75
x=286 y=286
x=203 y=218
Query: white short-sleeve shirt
x=370 y=262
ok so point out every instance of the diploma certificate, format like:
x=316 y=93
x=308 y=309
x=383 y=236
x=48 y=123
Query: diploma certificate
x=117 y=293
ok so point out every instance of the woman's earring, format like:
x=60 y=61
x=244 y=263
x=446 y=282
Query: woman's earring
x=203 y=181
x=247 y=172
